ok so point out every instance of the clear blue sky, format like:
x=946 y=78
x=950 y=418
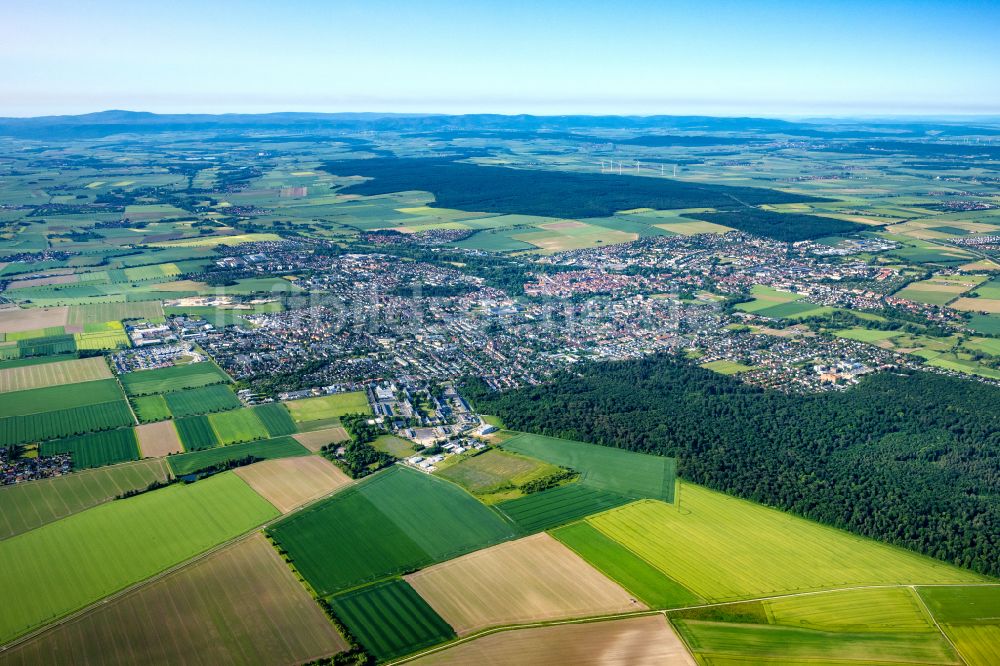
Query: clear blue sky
x=560 y=56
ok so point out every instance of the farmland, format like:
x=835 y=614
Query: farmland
x=529 y=580
x=63 y=422
x=970 y=617
x=317 y=439
x=281 y=447
x=158 y=439
x=615 y=470
x=174 y=378
x=53 y=374
x=390 y=619
x=642 y=579
x=722 y=548
x=557 y=506
x=31 y=505
x=150 y=408
x=96 y=449
x=237 y=426
x=420 y=520
x=65 y=565
x=196 y=433
x=288 y=483
x=275 y=418
x=240 y=604
x=202 y=400
x=324 y=412
x=639 y=640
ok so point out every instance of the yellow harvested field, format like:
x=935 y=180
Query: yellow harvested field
x=694 y=227
x=314 y=441
x=13 y=320
x=212 y=241
x=240 y=605
x=288 y=483
x=636 y=641
x=982 y=265
x=158 y=439
x=991 y=305
x=528 y=580
x=53 y=374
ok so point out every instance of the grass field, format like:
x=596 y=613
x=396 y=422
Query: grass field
x=390 y=619
x=640 y=640
x=173 y=378
x=239 y=605
x=196 y=433
x=96 y=449
x=70 y=563
x=395 y=521
x=643 y=580
x=606 y=468
x=970 y=616
x=158 y=439
x=766 y=297
x=288 y=483
x=53 y=374
x=97 y=313
x=237 y=426
x=558 y=506
x=315 y=413
x=276 y=419
x=201 y=400
x=723 y=548
x=394 y=446
x=281 y=447
x=528 y=580
x=150 y=408
x=724 y=367
x=494 y=471
x=27 y=506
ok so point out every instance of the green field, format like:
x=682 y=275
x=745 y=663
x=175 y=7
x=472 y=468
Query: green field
x=238 y=425
x=276 y=419
x=96 y=449
x=558 y=506
x=202 y=400
x=150 y=408
x=65 y=565
x=196 y=433
x=724 y=367
x=970 y=616
x=64 y=422
x=30 y=505
x=723 y=548
x=866 y=334
x=987 y=324
x=766 y=297
x=615 y=470
x=394 y=446
x=281 y=447
x=325 y=411
x=395 y=521
x=34 y=401
x=173 y=378
x=641 y=579
x=390 y=619
x=97 y=313
x=493 y=470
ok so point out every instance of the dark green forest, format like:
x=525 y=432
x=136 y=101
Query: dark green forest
x=548 y=193
x=787 y=227
x=910 y=459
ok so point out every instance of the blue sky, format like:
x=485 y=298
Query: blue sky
x=557 y=56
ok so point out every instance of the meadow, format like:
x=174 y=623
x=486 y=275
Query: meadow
x=605 y=468
x=238 y=605
x=722 y=549
x=281 y=447
x=490 y=471
x=63 y=566
x=173 y=378
x=529 y=580
x=96 y=449
x=390 y=619
x=558 y=506
x=27 y=506
x=150 y=408
x=395 y=521
x=324 y=412
x=237 y=426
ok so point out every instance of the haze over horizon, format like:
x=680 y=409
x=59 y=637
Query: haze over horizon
x=775 y=58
